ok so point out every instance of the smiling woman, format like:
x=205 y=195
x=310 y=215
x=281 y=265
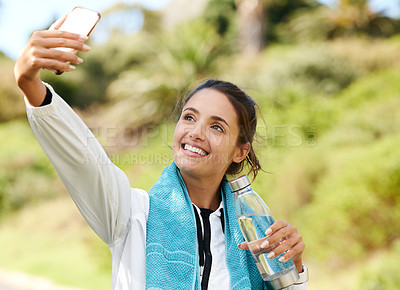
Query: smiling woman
x=183 y=233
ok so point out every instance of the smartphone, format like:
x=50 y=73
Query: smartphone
x=80 y=21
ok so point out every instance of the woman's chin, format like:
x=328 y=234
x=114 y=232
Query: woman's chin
x=188 y=165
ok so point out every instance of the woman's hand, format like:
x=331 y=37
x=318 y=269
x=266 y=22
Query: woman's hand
x=40 y=53
x=281 y=237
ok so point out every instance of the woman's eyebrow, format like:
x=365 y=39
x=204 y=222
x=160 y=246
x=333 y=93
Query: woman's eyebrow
x=216 y=118
x=191 y=109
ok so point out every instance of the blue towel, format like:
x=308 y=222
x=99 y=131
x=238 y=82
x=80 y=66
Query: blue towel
x=172 y=260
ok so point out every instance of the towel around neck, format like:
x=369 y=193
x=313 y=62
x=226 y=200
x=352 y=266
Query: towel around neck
x=172 y=260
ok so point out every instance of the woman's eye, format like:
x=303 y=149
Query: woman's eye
x=188 y=118
x=217 y=127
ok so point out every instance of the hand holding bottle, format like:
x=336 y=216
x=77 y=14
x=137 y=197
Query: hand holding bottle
x=284 y=238
x=272 y=244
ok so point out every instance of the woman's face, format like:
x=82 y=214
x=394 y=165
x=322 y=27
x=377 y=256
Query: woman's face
x=205 y=138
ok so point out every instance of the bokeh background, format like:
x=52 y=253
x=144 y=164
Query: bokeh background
x=325 y=75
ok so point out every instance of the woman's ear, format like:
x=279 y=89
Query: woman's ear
x=241 y=152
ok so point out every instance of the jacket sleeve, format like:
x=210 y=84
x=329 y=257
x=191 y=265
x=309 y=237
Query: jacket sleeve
x=100 y=190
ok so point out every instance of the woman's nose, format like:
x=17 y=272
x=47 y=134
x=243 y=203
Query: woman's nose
x=197 y=131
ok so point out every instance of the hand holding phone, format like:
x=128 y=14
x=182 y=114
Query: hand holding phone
x=42 y=51
x=80 y=21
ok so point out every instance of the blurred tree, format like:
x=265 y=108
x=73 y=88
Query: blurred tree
x=348 y=18
x=258 y=20
x=251 y=22
x=352 y=16
x=355 y=17
x=221 y=14
x=11 y=99
x=281 y=11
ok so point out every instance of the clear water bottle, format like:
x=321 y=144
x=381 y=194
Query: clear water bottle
x=255 y=218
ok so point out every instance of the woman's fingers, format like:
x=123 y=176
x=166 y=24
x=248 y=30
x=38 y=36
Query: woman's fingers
x=56 y=39
x=51 y=59
x=290 y=245
x=58 y=23
x=62 y=34
x=52 y=50
x=280 y=230
x=244 y=246
x=276 y=226
x=66 y=55
x=295 y=251
x=281 y=238
x=256 y=246
x=50 y=64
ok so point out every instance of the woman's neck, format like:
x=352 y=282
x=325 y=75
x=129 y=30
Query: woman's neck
x=203 y=192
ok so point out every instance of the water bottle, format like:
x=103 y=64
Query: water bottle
x=254 y=219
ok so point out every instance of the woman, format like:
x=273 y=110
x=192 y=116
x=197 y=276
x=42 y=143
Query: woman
x=184 y=233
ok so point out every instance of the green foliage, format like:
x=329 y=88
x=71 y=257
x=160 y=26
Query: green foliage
x=370 y=87
x=365 y=112
x=303 y=75
x=221 y=14
x=99 y=252
x=344 y=191
x=11 y=99
x=381 y=54
x=299 y=87
x=384 y=274
x=317 y=69
x=65 y=85
x=26 y=175
x=295 y=182
x=280 y=11
x=348 y=19
x=52 y=240
x=362 y=188
x=371 y=122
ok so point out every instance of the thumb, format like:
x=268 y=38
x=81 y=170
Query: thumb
x=56 y=25
x=244 y=246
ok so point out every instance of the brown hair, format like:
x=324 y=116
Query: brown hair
x=245 y=108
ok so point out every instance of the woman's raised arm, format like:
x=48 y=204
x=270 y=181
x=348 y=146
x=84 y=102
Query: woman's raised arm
x=100 y=190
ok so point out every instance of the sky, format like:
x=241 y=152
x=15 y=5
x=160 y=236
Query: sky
x=19 y=18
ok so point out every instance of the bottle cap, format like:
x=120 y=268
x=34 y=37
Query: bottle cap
x=239 y=183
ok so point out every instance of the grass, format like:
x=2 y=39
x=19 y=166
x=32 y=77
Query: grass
x=52 y=240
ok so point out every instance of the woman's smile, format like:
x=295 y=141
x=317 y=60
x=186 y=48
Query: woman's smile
x=194 y=151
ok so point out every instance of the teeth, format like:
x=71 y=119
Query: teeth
x=195 y=150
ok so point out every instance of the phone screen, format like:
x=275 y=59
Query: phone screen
x=80 y=21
